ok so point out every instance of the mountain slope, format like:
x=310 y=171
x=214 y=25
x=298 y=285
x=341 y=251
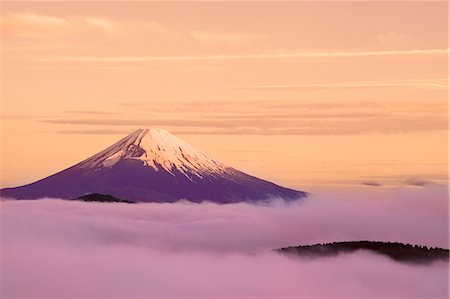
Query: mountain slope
x=153 y=166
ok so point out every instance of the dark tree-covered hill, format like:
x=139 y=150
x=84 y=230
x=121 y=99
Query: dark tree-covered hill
x=397 y=251
x=96 y=197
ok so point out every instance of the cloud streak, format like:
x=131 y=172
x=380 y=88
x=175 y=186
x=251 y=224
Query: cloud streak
x=88 y=112
x=287 y=55
x=432 y=84
x=94 y=132
x=280 y=117
x=292 y=124
x=417 y=181
x=372 y=184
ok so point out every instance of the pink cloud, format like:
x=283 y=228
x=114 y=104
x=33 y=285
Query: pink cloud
x=66 y=249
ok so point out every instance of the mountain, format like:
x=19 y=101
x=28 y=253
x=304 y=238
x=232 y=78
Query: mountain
x=153 y=166
x=397 y=251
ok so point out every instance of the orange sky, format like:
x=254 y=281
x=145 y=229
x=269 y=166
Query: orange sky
x=305 y=94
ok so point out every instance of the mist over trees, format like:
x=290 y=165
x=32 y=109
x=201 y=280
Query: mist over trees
x=397 y=251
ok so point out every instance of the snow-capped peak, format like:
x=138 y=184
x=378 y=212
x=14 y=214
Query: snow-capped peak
x=157 y=148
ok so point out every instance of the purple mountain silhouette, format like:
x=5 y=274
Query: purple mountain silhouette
x=154 y=166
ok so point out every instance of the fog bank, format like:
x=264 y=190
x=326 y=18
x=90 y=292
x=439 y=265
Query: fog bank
x=58 y=248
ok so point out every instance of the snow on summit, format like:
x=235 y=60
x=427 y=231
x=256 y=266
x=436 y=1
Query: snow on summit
x=158 y=148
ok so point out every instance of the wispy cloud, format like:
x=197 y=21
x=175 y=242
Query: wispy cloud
x=412 y=179
x=286 y=55
x=38 y=25
x=88 y=112
x=417 y=181
x=285 y=105
x=78 y=29
x=272 y=126
x=433 y=84
x=372 y=184
x=46 y=27
x=94 y=132
x=281 y=117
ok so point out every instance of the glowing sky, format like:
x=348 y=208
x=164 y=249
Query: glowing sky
x=304 y=94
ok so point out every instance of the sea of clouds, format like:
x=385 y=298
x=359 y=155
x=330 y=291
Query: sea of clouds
x=61 y=249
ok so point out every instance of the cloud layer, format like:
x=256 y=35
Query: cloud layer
x=59 y=248
x=286 y=55
x=281 y=117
